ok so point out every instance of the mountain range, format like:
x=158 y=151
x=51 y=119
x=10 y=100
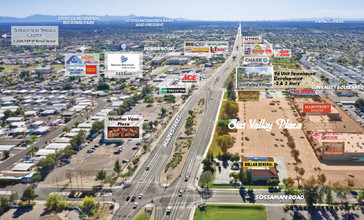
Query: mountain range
x=105 y=18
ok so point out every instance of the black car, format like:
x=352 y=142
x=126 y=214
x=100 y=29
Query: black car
x=127 y=198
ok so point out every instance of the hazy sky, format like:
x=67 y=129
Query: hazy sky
x=202 y=10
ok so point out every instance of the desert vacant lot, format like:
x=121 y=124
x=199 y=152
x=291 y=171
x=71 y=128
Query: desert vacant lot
x=218 y=212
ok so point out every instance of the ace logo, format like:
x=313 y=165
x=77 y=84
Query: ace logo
x=188 y=77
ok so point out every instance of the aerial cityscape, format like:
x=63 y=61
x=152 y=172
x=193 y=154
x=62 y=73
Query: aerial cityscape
x=105 y=114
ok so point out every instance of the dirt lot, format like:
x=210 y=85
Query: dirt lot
x=274 y=144
x=306 y=82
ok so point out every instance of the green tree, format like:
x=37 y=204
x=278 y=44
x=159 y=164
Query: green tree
x=67 y=119
x=47 y=163
x=103 y=86
x=163 y=112
x=117 y=167
x=249 y=177
x=320 y=197
x=97 y=126
x=288 y=182
x=6 y=154
x=4 y=204
x=205 y=178
x=77 y=123
x=78 y=139
x=68 y=151
x=361 y=195
x=321 y=178
x=225 y=142
x=310 y=191
x=235 y=176
x=101 y=175
x=329 y=197
x=273 y=181
x=52 y=201
x=28 y=195
x=242 y=176
x=88 y=204
x=7 y=114
x=230 y=91
x=341 y=191
x=13 y=197
x=359 y=103
x=61 y=205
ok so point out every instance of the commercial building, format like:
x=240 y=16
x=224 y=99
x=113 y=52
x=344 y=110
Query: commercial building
x=341 y=146
x=260 y=173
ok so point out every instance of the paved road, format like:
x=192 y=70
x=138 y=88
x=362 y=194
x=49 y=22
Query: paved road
x=148 y=182
x=50 y=136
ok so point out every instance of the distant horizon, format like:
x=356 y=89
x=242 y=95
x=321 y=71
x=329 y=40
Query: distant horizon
x=182 y=18
x=203 y=10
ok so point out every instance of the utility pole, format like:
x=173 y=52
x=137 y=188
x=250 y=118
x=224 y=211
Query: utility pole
x=57 y=183
x=81 y=181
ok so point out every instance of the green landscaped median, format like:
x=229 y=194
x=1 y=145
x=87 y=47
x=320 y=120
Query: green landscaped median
x=233 y=212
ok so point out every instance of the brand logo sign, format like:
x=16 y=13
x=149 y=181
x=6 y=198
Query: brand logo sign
x=325 y=135
x=252 y=39
x=282 y=53
x=256 y=60
x=258 y=164
x=91 y=69
x=190 y=77
x=217 y=50
x=74 y=60
x=82 y=64
x=333 y=148
x=248 y=96
x=316 y=108
x=174 y=90
x=258 y=49
x=303 y=92
x=123 y=65
x=208 y=47
x=126 y=126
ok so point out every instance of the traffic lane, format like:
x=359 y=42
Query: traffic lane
x=243 y=196
x=199 y=144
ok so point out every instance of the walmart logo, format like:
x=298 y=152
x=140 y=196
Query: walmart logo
x=123 y=59
x=74 y=60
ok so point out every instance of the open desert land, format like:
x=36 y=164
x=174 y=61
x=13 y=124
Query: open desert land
x=274 y=143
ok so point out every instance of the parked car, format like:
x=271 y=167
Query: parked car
x=90 y=151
